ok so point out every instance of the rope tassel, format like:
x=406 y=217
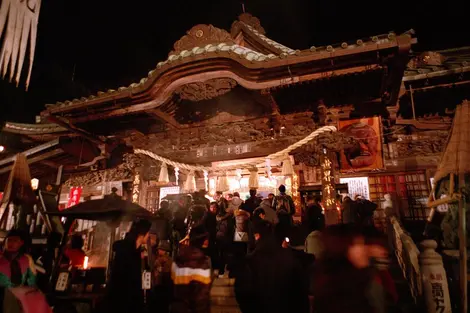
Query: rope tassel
x=287 y=167
x=163 y=174
x=253 y=182
x=190 y=185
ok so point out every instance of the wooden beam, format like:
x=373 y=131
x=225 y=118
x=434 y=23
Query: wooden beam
x=167 y=118
x=66 y=124
x=423 y=125
x=459 y=70
x=31 y=151
x=38 y=158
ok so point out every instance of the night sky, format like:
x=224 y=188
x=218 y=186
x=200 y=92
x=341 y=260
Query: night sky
x=84 y=46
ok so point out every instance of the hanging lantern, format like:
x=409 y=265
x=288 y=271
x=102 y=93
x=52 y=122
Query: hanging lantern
x=163 y=174
x=190 y=185
x=206 y=179
x=253 y=182
x=287 y=167
x=177 y=175
x=222 y=184
x=35 y=183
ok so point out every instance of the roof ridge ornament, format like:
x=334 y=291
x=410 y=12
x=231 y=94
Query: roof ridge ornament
x=200 y=36
x=249 y=20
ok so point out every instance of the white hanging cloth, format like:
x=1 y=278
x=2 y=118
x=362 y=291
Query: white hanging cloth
x=18 y=27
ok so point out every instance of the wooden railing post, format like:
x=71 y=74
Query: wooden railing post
x=434 y=279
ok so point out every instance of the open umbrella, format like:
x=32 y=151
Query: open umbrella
x=105 y=209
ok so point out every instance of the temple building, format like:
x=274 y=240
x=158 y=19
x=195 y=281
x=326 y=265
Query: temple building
x=224 y=98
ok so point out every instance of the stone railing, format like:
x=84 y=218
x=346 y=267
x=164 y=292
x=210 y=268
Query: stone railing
x=423 y=270
x=407 y=254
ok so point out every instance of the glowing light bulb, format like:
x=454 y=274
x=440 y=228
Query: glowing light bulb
x=2 y=148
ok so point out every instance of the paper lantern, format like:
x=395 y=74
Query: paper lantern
x=34 y=183
x=163 y=174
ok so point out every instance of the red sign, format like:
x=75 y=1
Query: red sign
x=1 y=196
x=74 y=196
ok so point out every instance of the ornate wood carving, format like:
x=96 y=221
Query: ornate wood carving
x=200 y=36
x=248 y=19
x=421 y=147
x=311 y=153
x=428 y=58
x=206 y=90
x=125 y=171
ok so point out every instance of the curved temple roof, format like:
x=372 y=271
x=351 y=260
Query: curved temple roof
x=33 y=129
x=210 y=47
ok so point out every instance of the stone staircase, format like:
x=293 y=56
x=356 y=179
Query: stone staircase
x=223 y=296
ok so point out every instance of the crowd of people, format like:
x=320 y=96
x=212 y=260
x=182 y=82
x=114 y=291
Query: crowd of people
x=277 y=265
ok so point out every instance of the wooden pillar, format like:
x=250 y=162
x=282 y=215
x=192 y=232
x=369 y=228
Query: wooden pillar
x=328 y=189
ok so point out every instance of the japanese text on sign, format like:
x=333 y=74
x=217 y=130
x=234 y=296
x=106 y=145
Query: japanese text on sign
x=438 y=297
x=74 y=196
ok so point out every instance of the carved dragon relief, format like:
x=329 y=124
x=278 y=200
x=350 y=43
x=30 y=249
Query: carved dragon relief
x=200 y=36
x=248 y=19
x=209 y=89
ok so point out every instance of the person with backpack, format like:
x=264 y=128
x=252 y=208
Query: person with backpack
x=284 y=202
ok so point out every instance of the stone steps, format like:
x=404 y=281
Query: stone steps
x=223 y=296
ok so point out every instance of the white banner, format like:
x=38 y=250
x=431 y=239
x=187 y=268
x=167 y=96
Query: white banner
x=165 y=191
x=357 y=186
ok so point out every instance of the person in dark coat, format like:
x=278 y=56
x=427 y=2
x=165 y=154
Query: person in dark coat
x=252 y=202
x=211 y=227
x=313 y=211
x=344 y=273
x=272 y=280
x=191 y=275
x=124 y=293
x=349 y=211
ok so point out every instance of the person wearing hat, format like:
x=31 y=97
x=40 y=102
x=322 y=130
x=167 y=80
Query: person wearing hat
x=162 y=284
x=191 y=275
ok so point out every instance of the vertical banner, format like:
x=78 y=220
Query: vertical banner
x=74 y=196
x=366 y=151
x=328 y=190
